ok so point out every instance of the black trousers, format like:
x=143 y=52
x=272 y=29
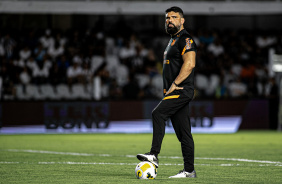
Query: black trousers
x=176 y=107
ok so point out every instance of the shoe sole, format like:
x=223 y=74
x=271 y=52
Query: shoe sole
x=185 y=177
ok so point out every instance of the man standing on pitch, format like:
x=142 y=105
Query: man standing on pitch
x=178 y=79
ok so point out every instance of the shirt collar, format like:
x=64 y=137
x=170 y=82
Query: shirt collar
x=178 y=34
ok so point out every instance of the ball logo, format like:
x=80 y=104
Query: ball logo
x=139 y=174
x=146 y=170
x=150 y=177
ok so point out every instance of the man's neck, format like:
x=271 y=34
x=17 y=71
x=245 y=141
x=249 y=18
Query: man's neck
x=177 y=32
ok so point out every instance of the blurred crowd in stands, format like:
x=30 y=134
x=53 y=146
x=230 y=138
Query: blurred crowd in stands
x=95 y=65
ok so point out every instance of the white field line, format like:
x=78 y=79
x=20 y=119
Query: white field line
x=242 y=160
x=170 y=157
x=58 y=153
x=103 y=163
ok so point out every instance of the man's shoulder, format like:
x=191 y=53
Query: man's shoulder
x=186 y=41
x=185 y=35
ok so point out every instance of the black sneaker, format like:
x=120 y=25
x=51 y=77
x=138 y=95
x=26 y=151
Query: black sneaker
x=149 y=157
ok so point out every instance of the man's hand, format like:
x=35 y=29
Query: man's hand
x=172 y=88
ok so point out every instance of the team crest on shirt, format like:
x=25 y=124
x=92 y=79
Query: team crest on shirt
x=188 y=43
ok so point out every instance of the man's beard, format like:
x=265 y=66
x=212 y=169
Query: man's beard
x=172 y=30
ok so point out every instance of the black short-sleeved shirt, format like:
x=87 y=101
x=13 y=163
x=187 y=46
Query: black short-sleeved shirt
x=178 y=45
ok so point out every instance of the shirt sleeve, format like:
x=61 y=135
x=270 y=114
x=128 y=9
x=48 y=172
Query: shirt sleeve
x=186 y=44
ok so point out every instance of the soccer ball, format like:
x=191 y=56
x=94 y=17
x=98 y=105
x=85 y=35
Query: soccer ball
x=146 y=170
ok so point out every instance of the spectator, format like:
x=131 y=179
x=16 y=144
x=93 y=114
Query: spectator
x=137 y=62
x=56 y=77
x=19 y=63
x=111 y=48
x=151 y=65
x=31 y=64
x=86 y=73
x=41 y=72
x=9 y=45
x=78 y=59
x=47 y=40
x=126 y=54
x=216 y=48
x=261 y=70
x=8 y=84
x=74 y=43
x=237 y=88
x=60 y=39
x=252 y=88
x=247 y=72
x=58 y=71
x=25 y=77
x=115 y=91
x=236 y=68
x=2 y=50
x=102 y=74
x=134 y=42
x=56 y=50
x=131 y=90
x=63 y=65
x=265 y=41
x=206 y=37
x=25 y=53
x=221 y=90
x=274 y=89
x=39 y=52
x=74 y=73
x=112 y=58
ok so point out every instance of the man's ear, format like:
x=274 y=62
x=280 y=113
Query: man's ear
x=182 y=21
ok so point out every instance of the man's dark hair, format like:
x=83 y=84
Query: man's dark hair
x=175 y=9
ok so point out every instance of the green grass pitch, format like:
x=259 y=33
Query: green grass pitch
x=244 y=157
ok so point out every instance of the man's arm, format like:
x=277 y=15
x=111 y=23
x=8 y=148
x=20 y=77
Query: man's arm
x=189 y=62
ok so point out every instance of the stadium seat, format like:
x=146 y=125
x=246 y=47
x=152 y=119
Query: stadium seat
x=20 y=94
x=89 y=89
x=63 y=92
x=79 y=92
x=32 y=92
x=48 y=92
